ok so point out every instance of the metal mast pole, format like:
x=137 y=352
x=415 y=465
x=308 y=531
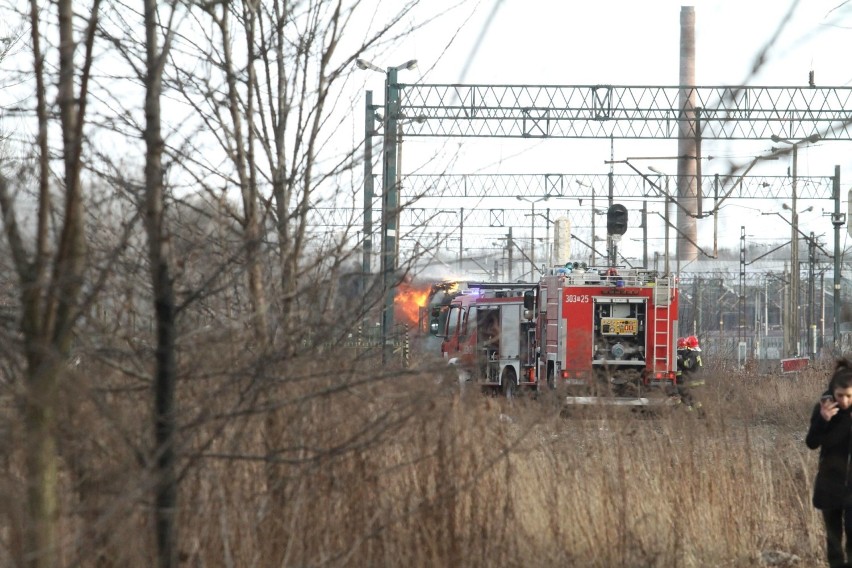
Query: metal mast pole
x=548 y=253
x=510 y=245
x=837 y=219
x=645 y=234
x=741 y=300
x=390 y=203
x=794 y=267
x=532 y=244
x=369 y=131
x=461 y=237
x=812 y=340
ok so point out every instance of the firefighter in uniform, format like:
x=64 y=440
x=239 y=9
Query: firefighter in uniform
x=681 y=351
x=689 y=365
x=692 y=363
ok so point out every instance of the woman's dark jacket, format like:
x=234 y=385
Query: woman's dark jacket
x=833 y=485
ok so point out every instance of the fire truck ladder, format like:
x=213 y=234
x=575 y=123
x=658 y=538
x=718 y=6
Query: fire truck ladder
x=662 y=325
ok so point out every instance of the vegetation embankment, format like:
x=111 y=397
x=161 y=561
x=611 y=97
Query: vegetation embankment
x=383 y=467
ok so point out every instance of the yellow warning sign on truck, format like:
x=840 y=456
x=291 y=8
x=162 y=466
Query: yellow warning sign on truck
x=619 y=326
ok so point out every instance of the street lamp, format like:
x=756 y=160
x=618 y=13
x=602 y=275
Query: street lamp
x=532 y=203
x=793 y=304
x=787 y=208
x=390 y=190
x=793 y=348
x=592 y=189
x=364 y=64
x=548 y=246
x=666 y=220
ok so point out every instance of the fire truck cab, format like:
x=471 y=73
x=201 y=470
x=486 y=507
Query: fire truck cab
x=489 y=333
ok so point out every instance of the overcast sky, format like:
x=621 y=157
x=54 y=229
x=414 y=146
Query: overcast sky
x=629 y=42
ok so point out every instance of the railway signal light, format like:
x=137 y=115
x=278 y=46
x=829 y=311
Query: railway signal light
x=616 y=219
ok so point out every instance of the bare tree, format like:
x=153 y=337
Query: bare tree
x=50 y=276
x=267 y=80
x=272 y=103
x=165 y=308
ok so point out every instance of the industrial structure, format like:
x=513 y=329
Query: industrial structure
x=690 y=114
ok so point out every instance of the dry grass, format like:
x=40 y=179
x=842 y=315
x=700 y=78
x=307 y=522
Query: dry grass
x=283 y=467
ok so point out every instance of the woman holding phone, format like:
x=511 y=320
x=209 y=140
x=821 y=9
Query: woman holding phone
x=831 y=432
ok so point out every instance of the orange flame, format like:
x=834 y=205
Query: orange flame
x=407 y=303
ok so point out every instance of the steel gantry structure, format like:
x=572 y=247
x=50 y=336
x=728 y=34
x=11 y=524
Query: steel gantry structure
x=634 y=112
x=589 y=111
x=623 y=186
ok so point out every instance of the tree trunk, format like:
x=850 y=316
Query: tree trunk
x=50 y=300
x=243 y=158
x=42 y=534
x=165 y=370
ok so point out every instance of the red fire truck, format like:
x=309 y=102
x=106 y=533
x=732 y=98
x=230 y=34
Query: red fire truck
x=609 y=331
x=489 y=333
x=606 y=334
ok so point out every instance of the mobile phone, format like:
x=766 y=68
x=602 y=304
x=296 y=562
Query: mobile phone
x=827 y=397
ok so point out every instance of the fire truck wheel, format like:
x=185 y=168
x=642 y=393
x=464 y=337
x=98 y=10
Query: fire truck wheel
x=510 y=383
